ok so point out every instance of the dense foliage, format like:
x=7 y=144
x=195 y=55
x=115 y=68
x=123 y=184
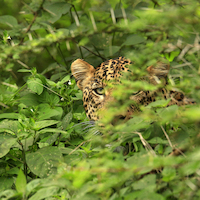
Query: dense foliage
x=45 y=150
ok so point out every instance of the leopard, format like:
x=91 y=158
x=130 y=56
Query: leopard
x=93 y=81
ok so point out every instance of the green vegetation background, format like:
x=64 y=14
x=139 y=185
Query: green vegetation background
x=46 y=151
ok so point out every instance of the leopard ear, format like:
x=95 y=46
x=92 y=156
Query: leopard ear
x=161 y=69
x=82 y=71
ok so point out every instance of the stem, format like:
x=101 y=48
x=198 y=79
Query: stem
x=24 y=159
x=62 y=54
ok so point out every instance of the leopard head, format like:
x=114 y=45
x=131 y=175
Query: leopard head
x=93 y=81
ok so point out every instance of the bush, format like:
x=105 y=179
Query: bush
x=48 y=149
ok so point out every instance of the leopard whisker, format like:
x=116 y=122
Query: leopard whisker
x=83 y=123
x=88 y=126
x=97 y=132
x=87 y=130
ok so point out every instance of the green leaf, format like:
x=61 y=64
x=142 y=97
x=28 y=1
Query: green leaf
x=52 y=130
x=42 y=124
x=84 y=41
x=52 y=99
x=192 y=113
x=169 y=174
x=143 y=194
x=113 y=3
x=172 y=55
x=65 y=79
x=29 y=99
x=9 y=194
x=132 y=195
x=136 y=123
x=81 y=178
x=35 y=84
x=44 y=193
x=111 y=50
x=60 y=111
x=158 y=103
x=148 y=181
x=44 y=161
x=6 y=182
x=133 y=39
x=157 y=140
x=10 y=126
x=56 y=10
x=66 y=120
x=32 y=185
x=168 y=113
x=9 y=116
x=24 y=70
x=46 y=112
x=6 y=145
x=190 y=168
x=8 y=20
x=21 y=182
x=159 y=149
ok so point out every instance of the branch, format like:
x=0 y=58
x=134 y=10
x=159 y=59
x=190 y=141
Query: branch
x=32 y=22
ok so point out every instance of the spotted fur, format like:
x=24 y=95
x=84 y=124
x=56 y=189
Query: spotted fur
x=90 y=80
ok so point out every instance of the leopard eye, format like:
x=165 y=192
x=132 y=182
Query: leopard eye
x=99 y=91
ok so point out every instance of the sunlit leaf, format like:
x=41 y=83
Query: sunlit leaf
x=24 y=70
x=44 y=123
x=21 y=182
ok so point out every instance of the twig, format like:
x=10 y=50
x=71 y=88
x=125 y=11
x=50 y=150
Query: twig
x=29 y=27
x=99 y=53
x=79 y=146
x=52 y=56
x=79 y=47
x=75 y=11
x=171 y=143
x=51 y=90
x=3 y=105
x=92 y=52
x=62 y=54
x=166 y=136
x=146 y=144
x=32 y=22
x=23 y=64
